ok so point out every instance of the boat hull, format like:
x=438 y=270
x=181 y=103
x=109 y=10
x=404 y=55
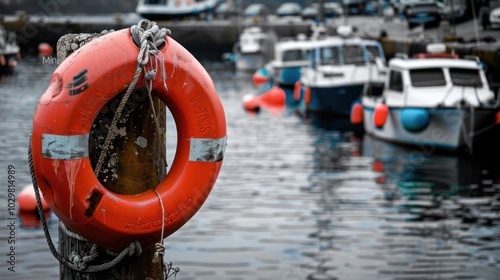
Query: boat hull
x=334 y=101
x=169 y=11
x=249 y=61
x=450 y=129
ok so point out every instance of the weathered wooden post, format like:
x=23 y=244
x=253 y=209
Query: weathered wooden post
x=126 y=171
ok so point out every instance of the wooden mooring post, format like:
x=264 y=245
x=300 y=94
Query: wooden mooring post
x=134 y=164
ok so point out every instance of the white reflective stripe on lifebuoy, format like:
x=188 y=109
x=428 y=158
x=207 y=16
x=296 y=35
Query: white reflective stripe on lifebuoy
x=207 y=149
x=65 y=146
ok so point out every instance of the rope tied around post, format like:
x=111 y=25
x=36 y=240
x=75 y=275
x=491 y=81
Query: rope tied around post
x=148 y=37
x=75 y=261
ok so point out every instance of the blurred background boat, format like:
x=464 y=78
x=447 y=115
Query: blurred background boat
x=339 y=68
x=10 y=53
x=172 y=9
x=254 y=48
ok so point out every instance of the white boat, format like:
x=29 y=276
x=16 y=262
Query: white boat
x=170 y=9
x=338 y=70
x=253 y=49
x=290 y=56
x=9 y=51
x=434 y=101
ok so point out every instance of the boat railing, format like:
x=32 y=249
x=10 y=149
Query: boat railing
x=401 y=56
x=473 y=58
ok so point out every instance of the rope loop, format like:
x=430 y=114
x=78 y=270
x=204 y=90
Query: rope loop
x=148 y=37
x=134 y=249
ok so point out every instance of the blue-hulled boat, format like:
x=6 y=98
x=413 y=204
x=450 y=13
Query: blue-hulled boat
x=9 y=51
x=339 y=67
x=290 y=56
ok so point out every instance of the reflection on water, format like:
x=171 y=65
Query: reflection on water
x=297 y=200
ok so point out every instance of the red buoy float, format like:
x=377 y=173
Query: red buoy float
x=27 y=200
x=251 y=103
x=79 y=88
x=497 y=118
x=357 y=113
x=380 y=115
x=275 y=97
x=45 y=49
x=260 y=77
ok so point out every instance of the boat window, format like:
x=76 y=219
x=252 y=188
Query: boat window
x=465 y=77
x=429 y=77
x=294 y=55
x=395 y=81
x=373 y=52
x=353 y=54
x=329 y=56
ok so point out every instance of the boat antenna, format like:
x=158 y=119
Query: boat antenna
x=476 y=31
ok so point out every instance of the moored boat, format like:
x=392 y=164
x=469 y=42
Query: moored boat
x=171 y=9
x=435 y=101
x=253 y=49
x=339 y=68
x=290 y=56
x=9 y=51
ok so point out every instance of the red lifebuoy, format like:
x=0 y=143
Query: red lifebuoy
x=78 y=90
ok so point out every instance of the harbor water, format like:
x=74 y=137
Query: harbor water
x=296 y=199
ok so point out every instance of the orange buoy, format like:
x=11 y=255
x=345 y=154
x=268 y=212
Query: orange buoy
x=259 y=80
x=45 y=49
x=260 y=77
x=251 y=102
x=497 y=118
x=307 y=95
x=296 y=90
x=2 y=60
x=78 y=89
x=27 y=200
x=380 y=115
x=273 y=100
x=274 y=96
x=357 y=113
x=31 y=219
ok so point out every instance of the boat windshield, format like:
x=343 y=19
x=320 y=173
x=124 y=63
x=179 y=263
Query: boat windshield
x=373 y=52
x=353 y=54
x=295 y=55
x=465 y=77
x=429 y=77
x=329 y=56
